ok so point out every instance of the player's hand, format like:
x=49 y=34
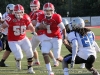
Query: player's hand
x=72 y=64
x=65 y=41
x=34 y=33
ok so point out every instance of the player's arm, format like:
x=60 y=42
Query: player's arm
x=74 y=43
x=34 y=22
x=62 y=27
x=4 y=25
x=32 y=28
x=67 y=45
x=34 y=19
x=74 y=49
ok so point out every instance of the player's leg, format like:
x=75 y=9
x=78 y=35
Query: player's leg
x=57 y=43
x=16 y=50
x=5 y=55
x=0 y=45
x=65 y=62
x=27 y=48
x=35 y=42
x=45 y=48
x=56 y=63
x=89 y=65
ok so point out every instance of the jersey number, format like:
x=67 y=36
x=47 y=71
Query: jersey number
x=18 y=30
x=48 y=29
x=87 y=40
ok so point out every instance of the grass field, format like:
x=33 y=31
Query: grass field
x=41 y=70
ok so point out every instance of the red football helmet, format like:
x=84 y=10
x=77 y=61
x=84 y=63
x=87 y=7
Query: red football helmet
x=48 y=9
x=18 y=11
x=34 y=5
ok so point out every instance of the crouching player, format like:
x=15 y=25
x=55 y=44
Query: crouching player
x=84 y=47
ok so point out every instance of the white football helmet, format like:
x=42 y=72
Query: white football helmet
x=65 y=22
x=10 y=8
x=48 y=9
x=77 y=23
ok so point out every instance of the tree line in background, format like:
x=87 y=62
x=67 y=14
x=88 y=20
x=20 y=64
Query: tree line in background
x=64 y=7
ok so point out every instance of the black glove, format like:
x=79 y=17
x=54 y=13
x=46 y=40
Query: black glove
x=34 y=33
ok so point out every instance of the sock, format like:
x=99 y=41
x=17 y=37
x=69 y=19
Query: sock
x=66 y=71
x=29 y=66
x=54 y=60
x=48 y=66
x=2 y=60
x=36 y=60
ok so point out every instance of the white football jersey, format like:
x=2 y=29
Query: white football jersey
x=85 y=44
x=6 y=29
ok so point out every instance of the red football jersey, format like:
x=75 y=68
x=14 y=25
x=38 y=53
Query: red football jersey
x=34 y=16
x=17 y=28
x=52 y=28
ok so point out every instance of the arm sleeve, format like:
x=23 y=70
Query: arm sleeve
x=73 y=40
x=74 y=49
x=61 y=25
x=58 y=19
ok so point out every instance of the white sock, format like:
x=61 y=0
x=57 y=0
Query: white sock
x=48 y=66
x=36 y=60
x=54 y=60
x=66 y=71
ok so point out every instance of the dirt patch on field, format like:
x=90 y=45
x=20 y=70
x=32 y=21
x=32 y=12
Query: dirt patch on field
x=97 y=37
x=93 y=27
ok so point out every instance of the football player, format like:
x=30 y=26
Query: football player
x=9 y=10
x=52 y=23
x=17 y=24
x=84 y=47
x=66 y=43
x=35 y=12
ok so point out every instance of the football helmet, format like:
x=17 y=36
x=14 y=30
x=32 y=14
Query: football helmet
x=48 y=9
x=34 y=5
x=77 y=23
x=10 y=8
x=18 y=11
x=65 y=22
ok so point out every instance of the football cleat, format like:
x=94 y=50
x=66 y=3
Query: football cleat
x=30 y=70
x=2 y=64
x=18 y=65
x=56 y=64
x=51 y=73
x=37 y=63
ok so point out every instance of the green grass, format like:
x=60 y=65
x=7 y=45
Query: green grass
x=41 y=70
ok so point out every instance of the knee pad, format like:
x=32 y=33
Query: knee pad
x=30 y=59
x=89 y=62
x=88 y=66
x=90 y=59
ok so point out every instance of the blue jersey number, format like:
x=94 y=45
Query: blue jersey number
x=87 y=40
